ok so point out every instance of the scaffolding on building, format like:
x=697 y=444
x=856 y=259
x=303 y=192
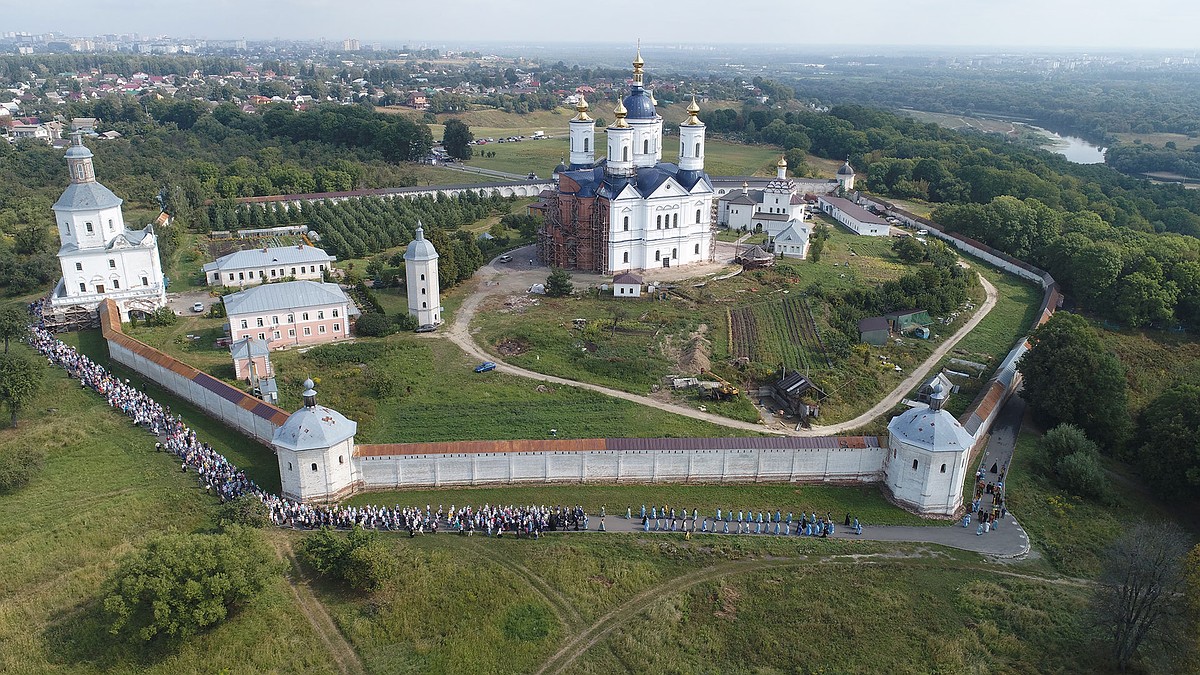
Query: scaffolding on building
x=574 y=234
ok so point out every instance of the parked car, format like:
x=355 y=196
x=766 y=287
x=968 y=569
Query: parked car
x=485 y=366
x=426 y=328
x=198 y=307
x=505 y=258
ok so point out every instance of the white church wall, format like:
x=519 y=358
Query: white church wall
x=817 y=465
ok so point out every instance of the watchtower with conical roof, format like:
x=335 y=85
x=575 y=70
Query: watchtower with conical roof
x=926 y=461
x=421 y=272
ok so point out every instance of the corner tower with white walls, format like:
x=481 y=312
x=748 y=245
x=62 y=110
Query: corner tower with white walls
x=421 y=273
x=583 y=137
x=99 y=258
x=845 y=177
x=315 y=450
x=926 y=461
x=691 y=140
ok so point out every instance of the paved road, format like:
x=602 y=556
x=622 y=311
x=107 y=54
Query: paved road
x=496 y=279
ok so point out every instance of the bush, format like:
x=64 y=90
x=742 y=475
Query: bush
x=163 y=316
x=374 y=325
x=405 y=321
x=180 y=584
x=18 y=466
x=1082 y=474
x=328 y=356
x=1065 y=440
x=359 y=559
x=246 y=510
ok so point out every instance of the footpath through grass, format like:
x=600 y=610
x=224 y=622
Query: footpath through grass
x=102 y=492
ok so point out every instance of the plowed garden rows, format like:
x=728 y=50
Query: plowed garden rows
x=778 y=333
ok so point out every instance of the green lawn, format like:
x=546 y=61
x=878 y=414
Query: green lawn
x=102 y=492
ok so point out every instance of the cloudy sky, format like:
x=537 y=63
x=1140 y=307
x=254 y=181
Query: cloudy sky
x=1111 y=24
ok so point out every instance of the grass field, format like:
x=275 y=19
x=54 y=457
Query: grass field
x=1153 y=360
x=604 y=603
x=1160 y=139
x=102 y=492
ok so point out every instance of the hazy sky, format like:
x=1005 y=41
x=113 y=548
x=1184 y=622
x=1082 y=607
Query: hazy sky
x=1109 y=24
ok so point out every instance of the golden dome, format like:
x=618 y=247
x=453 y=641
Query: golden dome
x=620 y=111
x=581 y=109
x=693 y=109
x=782 y=163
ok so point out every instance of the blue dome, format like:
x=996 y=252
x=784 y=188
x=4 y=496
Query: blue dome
x=639 y=105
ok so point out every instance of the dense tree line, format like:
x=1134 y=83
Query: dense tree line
x=1138 y=158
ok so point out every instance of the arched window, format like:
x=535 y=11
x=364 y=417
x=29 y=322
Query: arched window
x=422 y=290
x=943 y=468
x=585 y=144
x=424 y=305
x=697 y=150
x=314 y=466
x=697 y=215
x=675 y=219
x=289 y=466
x=625 y=256
x=646 y=147
x=657 y=256
x=914 y=465
x=697 y=249
x=89 y=227
x=422 y=277
x=341 y=459
x=674 y=253
x=658 y=222
x=626 y=223
x=625 y=153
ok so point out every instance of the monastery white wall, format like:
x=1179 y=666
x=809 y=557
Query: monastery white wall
x=212 y=404
x=819 y=465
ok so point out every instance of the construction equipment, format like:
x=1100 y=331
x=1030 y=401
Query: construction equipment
x=720 y=389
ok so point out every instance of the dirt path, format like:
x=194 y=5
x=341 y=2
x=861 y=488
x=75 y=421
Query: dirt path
x=566 y=613
x=459 y=333
x=628 y=610
x=336 y=646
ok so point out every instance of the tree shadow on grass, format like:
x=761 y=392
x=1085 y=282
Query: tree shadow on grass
x=80 y=635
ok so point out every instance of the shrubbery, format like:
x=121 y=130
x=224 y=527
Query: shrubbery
x=1074 y=460
x=180 y=584
x=18 y=466
x=246 y=510
x=359 y=559
x=374 y=325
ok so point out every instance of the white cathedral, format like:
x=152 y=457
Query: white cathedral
x=630 y=210
x=100 y=259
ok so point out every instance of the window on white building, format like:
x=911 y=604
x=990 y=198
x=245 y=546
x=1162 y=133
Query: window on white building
x=293 y=271
x=697 y=154
x=335 y=313
x=673 y=253
x=658 y=222
x=112 y=264
x=82 y=287
x=624 y=155
x=116 y=283
x=314 y=466
x=675 y=219
x=626 y=223
x=272 y=272
x=321 y=314
x=697 y=215
x=422 y=277
x=110 y=225
x=258 y=322
x=697 y=249
x=291 y=318
x=304 y=316
x=422 y=290
x=657 y=256
x=241 y=276
x=274 y=321
x=645 y=147
x=625 y=256
x=78 y=267
x=67 y=227
x=914 y=465
x=244 y=324
x=89 y=227
x=585 y=144
x=145 y=281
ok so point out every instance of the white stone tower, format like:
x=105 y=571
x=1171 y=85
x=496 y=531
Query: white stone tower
x=315 y=449
x=845 y=177
x=927 y=456
x=643 y=119
x=620 y=144
x=691 y=140
x=421 y=271
x=99 y=258
x=583 y=137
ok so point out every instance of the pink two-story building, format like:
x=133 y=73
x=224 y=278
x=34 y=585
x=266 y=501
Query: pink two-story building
x=290 y=313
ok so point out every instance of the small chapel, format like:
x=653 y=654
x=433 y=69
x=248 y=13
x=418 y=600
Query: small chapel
x=629 y=210
x=100 y=259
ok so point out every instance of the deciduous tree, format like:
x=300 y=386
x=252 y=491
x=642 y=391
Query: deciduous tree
x=20 y=377
x=457 y=139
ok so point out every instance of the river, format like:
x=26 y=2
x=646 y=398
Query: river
x=1073 y=148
